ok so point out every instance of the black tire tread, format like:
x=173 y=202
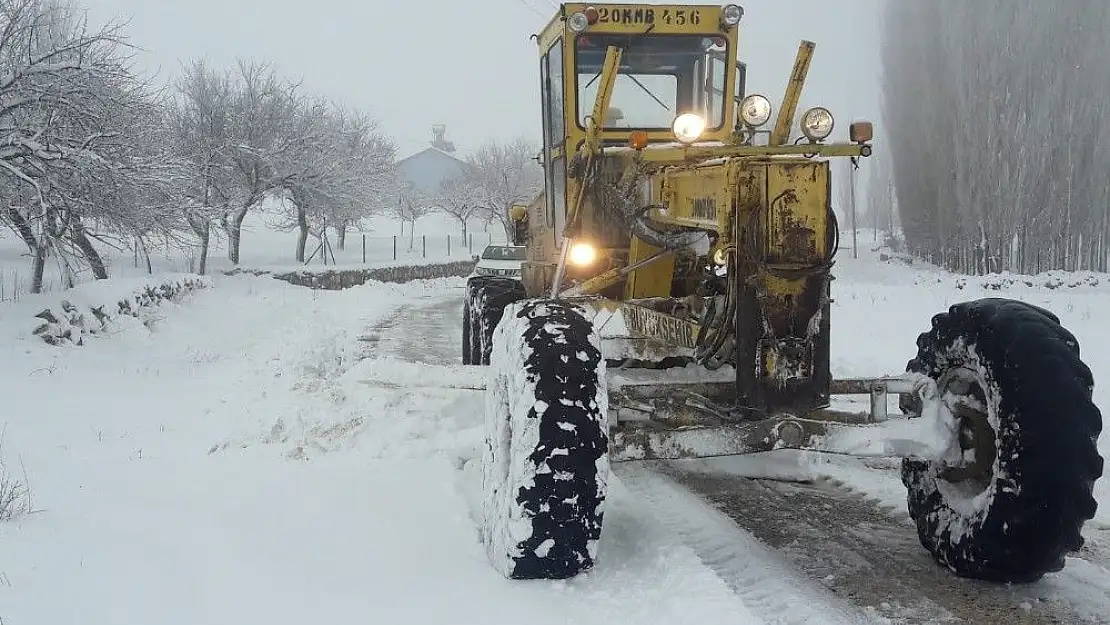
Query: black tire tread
x=487 y=297
x=564 y=366
x=1047 y=443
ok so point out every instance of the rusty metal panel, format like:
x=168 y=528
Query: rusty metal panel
x=700 y=196
x=796 y=222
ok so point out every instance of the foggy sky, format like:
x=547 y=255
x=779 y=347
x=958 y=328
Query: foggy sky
x=471 y=64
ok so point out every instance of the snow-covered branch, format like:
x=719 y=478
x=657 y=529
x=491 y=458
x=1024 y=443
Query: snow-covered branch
x=503 y=175
x=71 y=118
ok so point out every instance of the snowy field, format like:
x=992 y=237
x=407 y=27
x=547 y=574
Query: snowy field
x=264 y=453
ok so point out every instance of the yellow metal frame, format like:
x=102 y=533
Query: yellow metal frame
x=714 y=184
x=708 y=24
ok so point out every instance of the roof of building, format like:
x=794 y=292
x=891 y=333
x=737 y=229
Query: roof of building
x=429 y=168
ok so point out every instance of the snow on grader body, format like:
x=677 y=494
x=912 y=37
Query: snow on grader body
x=675 y=303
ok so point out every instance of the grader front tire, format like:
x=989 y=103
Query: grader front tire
x=1014 y=379
x=546 y=462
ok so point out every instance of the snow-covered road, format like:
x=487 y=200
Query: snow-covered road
x=272 y=454
x=804 y=547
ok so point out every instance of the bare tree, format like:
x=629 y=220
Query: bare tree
x=459 y=197
x=410 y=204
x=91 y=155
x=336 y=170
x=263 y=109
x=306 y=164
x=69 y=109
x=504 y=174
x=200 y=122
x=881 y=197
x=249 y=134
x=363 y=168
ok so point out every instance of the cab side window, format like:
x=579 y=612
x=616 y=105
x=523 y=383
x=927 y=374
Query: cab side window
x=557 y=123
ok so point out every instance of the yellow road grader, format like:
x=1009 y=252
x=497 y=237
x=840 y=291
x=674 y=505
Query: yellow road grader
x=675 y=303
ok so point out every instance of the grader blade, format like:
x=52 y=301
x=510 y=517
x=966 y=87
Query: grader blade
x=686 y=413
x=651 y=441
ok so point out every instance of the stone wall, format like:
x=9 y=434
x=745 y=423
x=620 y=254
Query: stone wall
x=70 y=324
x=337 y=279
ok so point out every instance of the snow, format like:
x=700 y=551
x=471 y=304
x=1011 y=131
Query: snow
x=19 y=316
x=231 y=464
x=247 y=458
x=504 y=522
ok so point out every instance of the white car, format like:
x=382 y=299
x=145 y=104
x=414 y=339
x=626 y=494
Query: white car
x=500 y=260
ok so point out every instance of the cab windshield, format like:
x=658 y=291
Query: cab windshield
x=660 y=77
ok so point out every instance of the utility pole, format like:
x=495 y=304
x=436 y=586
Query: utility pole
x=852 y=188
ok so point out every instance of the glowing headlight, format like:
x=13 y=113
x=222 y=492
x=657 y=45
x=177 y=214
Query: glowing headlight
x=578 y=22
x=755 y=110
x=731 y=14
x=582 y=254
x=817 y=123
x=688 y=127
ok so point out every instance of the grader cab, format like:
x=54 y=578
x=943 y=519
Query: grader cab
x=676 y=303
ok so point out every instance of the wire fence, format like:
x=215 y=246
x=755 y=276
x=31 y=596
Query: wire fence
x=366 y=249
x=266 y=251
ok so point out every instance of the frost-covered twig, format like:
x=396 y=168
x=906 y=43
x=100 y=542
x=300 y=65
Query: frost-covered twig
x=15 y=492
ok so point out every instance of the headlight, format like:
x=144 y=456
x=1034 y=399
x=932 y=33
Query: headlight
x=720 y=257
x=688 y=127
x=582 y=254
x=817 y=123
x=578 y=22
x=755 y=110
x=731 y=14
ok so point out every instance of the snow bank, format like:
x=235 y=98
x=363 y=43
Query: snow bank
x=164 y=498
x=94 y=308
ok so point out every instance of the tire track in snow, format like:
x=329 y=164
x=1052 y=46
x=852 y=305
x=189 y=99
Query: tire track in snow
x=845 y=541
x=417 y=329
x=765 y=582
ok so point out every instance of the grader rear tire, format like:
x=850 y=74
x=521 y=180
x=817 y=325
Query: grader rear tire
x=486 y=299
x=1014 y=379
x=469 y=354
x=546 y=464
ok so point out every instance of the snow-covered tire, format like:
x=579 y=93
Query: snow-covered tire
x=1020 y=372
x=470 y=354
x=486 y=299
x=546 y=463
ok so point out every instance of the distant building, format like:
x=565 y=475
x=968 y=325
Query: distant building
x=429 y=168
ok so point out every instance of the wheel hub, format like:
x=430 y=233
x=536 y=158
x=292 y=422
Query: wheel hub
x=963 y=393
